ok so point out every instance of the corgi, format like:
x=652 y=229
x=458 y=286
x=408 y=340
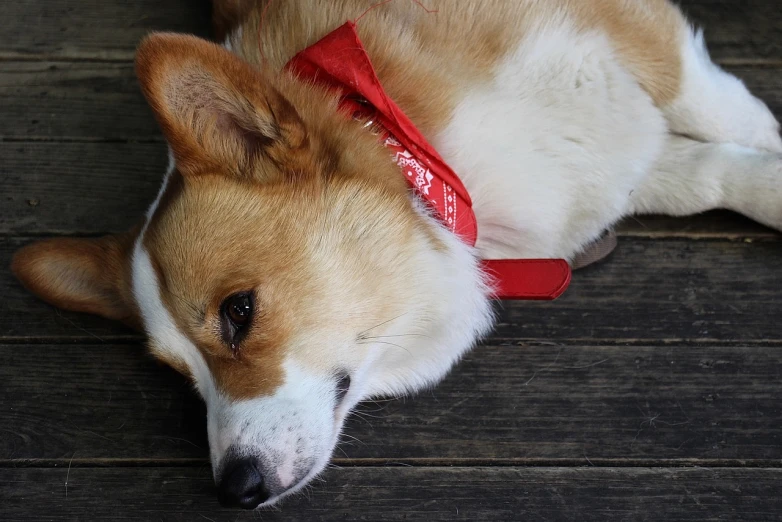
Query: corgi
x=287 y=268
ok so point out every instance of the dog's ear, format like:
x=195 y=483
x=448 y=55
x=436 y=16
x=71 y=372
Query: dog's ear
x=217 y=112
x=83 y=275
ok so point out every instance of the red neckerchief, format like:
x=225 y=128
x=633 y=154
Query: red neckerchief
x=340 y=62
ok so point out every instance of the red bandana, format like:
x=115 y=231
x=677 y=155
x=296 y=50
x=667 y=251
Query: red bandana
x=340 y=62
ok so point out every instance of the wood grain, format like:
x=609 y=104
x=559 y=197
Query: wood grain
x=82 y=154
x=739 y=31
x=386 y=494
x=659 y=290
x=717 y=224
x=85 y=188
x=620 y=405
x=94 y=29
x=66 y=100
x=593 y=407
x=110 y=30
x=77 y=188
x=101 y=101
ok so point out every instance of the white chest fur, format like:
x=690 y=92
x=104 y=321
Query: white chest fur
x=553 y=146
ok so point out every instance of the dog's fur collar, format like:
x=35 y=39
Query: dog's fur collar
x=340 y=62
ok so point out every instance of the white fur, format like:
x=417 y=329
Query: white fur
x=551 y=148
x=235 y=36
x=163 y=333
x=293 y=432
x=452 y=314
x=715 y=106
x=557 y=147
x=563 y=142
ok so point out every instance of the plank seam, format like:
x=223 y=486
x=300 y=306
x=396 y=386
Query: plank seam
x=497 y=342
x=417 y=462
x=126 y=57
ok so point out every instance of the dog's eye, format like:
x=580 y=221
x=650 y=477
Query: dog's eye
x=239 y=309
x=237 y=313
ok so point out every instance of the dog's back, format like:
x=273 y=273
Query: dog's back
x=553 y=112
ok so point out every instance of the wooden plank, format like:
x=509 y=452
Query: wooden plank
x=581 y=405
x=99 y=101
x=717 y=224
x=738 y=30
x=664 y=290
x=84 y=188
x=50 y=100
x=94 y=29
x=77 y=188
x=385 y=494
x=89 y=188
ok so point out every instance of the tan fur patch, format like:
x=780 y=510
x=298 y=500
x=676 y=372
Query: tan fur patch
x=426 y=61
x=647 y=34
x=275 y=182
x=219 y=237
x=307 y=225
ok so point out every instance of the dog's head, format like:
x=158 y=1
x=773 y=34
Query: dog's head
x=284 y=267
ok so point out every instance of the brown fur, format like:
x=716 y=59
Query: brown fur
x=647 y=34
x=427 y=60
x=82 y=275
x=273 y=187
x=254 y=178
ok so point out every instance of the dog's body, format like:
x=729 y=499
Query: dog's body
x=288 y=270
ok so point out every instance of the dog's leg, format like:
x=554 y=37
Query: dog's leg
x=715 y=106
x=692 y=177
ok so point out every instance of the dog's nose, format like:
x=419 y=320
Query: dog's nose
x=242 y=485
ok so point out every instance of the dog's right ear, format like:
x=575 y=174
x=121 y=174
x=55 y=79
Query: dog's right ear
x=217 y=112
x=89 y=275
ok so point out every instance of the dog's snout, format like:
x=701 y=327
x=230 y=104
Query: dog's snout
x=242 y=485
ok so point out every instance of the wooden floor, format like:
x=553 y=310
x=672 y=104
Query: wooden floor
x=652 y=391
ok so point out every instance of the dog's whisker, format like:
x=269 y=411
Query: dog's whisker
x=363 y=333
x=396 y=335
x=351 y=437
x=389 y=344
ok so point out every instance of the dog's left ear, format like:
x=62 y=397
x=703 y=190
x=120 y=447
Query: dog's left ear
x=89 y=275
x=217 y=112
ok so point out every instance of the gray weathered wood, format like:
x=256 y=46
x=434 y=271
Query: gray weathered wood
x=718 y=224
x=87 y=188
x=101 y=101
x=65 y=100
x=93 y=29
x=738 y=31
x=668 y=355
x=385 y=494
x=701 y=405
x=110 y=30
x=81 y=188
x=647 y=291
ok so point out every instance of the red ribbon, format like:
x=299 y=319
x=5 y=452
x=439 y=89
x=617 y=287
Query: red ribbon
x=340 y=62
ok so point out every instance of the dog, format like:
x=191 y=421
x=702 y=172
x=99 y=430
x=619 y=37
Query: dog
x=285 y=249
